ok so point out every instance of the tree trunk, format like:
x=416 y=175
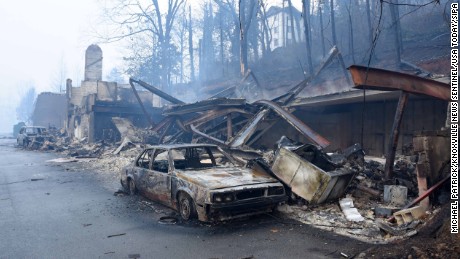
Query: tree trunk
x=306 y=13
x=245 y=23
x=396 y=32
x=221 y=38
x=323 y=47
x=267 y=32
x=351 y=43
x=190 y=46
x=369 y=24
x=334 y=35
x=243 y=41
x=291 y=24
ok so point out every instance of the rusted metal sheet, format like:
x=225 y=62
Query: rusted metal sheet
x=156 y=91
x=297 y=124
x=309 y=181
x=394 y=136
x=385 y=80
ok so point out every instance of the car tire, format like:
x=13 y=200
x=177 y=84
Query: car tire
x=186 y=207
x=132 y=190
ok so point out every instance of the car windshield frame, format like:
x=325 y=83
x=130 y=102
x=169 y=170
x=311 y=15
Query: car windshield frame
x=210 y=153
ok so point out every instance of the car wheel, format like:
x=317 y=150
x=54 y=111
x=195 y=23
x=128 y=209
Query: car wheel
x=131 y=187
x=186 y=207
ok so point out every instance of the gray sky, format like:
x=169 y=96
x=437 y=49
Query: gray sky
x=41 y=38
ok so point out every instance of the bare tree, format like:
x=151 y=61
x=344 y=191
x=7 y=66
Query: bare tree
x=306 y=14
x=190 y=44
x=246 y=13
x=350 y=37
x=320 y=11
x=334 y=35
x=291 y=25
x=396 y=29
x=369 y=24
x=134 y=17
x=266 y=32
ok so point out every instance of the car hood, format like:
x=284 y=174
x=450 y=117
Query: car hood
x=223 y=177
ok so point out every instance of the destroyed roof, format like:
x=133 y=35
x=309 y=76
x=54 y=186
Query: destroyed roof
x=399 y=80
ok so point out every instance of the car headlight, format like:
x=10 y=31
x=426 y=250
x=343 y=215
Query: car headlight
x=228 y=197
x=217 y=198
x=223 y=197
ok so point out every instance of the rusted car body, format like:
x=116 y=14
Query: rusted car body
x=201 y=180
x=30 y=134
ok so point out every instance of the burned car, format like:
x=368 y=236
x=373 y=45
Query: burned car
x=201 y=180
x=29 y=134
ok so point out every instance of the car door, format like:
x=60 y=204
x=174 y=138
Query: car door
x=141 y=170
x=159 y=179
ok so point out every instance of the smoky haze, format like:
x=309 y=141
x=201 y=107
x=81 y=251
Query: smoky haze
x=200 y=50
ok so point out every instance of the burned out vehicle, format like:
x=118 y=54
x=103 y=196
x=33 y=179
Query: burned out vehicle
x=30 y=134
x=201 y=180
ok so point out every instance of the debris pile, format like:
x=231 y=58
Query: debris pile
x=345 y=192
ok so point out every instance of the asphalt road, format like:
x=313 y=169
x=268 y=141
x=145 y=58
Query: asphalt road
x=61 y=211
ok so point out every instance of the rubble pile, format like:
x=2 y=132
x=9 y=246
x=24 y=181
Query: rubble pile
x=346 y=191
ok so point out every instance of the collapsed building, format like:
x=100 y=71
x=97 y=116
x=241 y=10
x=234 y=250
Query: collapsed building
x=328 y=131
x=92 y=105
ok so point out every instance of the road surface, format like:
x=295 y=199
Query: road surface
x=60 y=211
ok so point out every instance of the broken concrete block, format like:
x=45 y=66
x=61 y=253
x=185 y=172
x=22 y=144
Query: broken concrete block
x=409 y=215
x=395 y=195
x=385 y=211
x=351 y=213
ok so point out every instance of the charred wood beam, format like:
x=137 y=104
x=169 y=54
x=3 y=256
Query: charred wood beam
x=226 y=93
x=205 y=105
x=243 y=135
x=391 y=152
x=162 y=123
x=295 y=91
x=204 y=135
x=167 y=128
x=296 y=123
x=385 y=80
x=229 y=127
x=262 y=132
x=141 y=104
x=155 y=91
x=222 y=128
x=213 y=114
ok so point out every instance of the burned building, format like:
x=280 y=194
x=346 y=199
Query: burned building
x=50 y=110
x=93 y=104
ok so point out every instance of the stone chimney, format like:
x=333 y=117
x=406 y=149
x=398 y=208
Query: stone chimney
x=93 y=63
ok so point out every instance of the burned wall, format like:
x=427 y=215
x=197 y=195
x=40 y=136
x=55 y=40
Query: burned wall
x=50 y=110
x=342 y=124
